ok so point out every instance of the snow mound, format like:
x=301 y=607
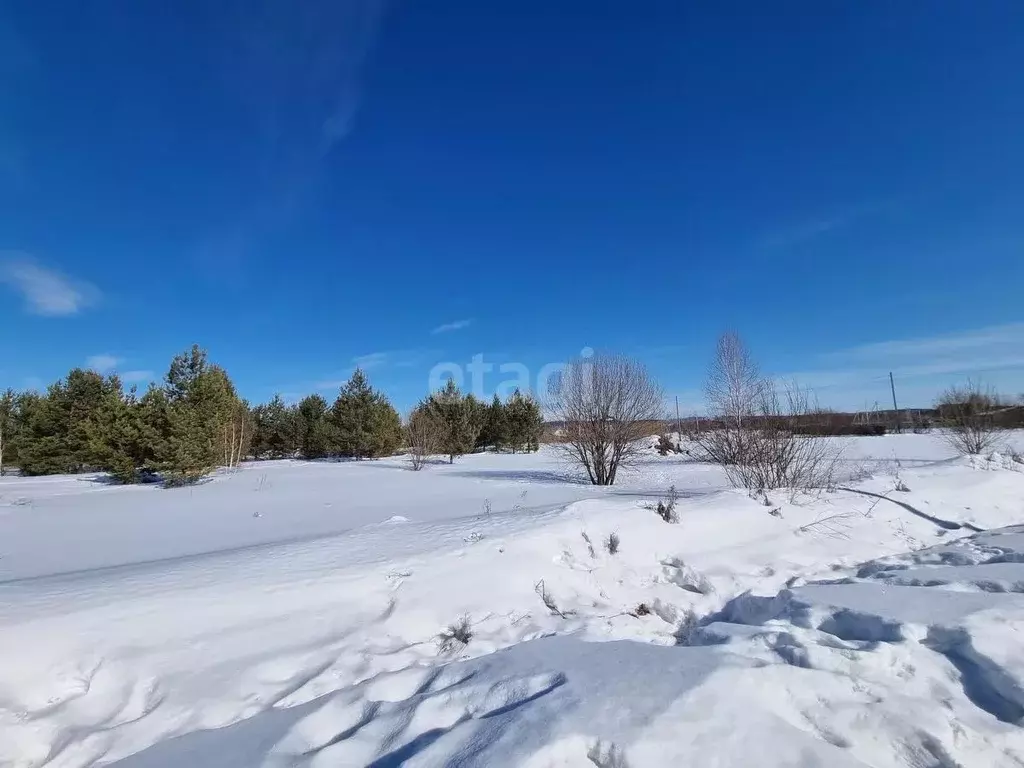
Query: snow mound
x=852 y=673
x=859 y=628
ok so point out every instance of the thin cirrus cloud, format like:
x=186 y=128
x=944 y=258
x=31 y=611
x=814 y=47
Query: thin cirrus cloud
x=103 y=363
x=45 y=291
x=812 y=228
x=456 y=325
x=293 y=72
x=108 y=363
x=929 y=364
x=137 y=377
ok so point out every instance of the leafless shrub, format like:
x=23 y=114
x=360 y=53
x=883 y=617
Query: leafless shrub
x=606 y=404
x=666 y=508
x=422 y=435
x=967 y=412
x=612 y=543
x=455 y=636
x=756 y=427
x=641 y=610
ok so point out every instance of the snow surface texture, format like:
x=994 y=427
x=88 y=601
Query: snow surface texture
x=292 y=614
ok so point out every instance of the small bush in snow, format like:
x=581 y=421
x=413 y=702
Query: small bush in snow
x=901 y=486
x=455 y=636
x=641 y=610
x=968 y=414
x=666 y=508
x=776 y=512
x=665 y=445
x=612 y=543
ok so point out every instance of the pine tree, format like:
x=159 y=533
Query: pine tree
x=316 y=433
x=386 y=428
x=204 y=423
x=115 y=435
x=189 y=449
x=457 y=419
x=524 y=422
x=26 y=404
x=366 y=424
x=56 y=436
x=493 y=431
x=276 y=430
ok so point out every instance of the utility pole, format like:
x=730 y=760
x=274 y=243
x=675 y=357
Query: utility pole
x=679 y=424
x=895 y=408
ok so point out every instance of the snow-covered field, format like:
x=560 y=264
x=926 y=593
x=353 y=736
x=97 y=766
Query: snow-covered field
x=288 y=614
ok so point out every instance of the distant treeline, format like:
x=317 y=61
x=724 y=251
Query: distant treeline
x=195 y=422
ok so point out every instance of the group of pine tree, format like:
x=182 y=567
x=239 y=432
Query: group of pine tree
x=195 y=421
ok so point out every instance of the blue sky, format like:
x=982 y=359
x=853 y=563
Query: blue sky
x=302 y=187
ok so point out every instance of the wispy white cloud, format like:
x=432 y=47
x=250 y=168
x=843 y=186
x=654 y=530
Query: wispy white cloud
x=138 y=377
x=102 y=363
x=922 y=366
x=372 y=360
x=106 y=363
x=45 y=291
x=456 y=325
x=1005 y=338
x=820 y=225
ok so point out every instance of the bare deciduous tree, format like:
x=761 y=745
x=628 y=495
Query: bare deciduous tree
x=967 y=413
x=734 y=385
x=752 y=431
x=422 y=434
x=606 y=404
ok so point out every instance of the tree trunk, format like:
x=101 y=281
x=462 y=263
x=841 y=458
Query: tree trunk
x=241 y=440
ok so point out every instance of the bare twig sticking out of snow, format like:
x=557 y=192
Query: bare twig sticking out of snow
x=836 y=524
x=549 y=600
x=590 y=545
